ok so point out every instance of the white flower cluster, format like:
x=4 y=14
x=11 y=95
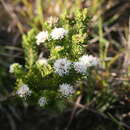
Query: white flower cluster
x=41 y=37
x=58 y=33
x=58 y=48
x=42 y=61
x=62 y=66
x=89 y=60
x=84 y=62
x=80 y=67
x=24 y=91
x=42 y=101
x=14 y=66
x=66 y=89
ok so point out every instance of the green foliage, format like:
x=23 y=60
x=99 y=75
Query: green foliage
x=30 y=48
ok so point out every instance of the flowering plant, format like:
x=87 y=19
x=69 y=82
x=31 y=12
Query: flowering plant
x=54 y=76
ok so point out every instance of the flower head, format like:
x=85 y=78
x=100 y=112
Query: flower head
x=41 y=37
x=24 y=91
x=58 y=33
x=66 y=89
x=42 y=101
x=58 y=48
x=42 y=61
x=14 y=66
x=80 y=67
x=89 y=60
x=62 y=66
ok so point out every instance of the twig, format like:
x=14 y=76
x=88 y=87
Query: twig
x=2 y=99
x=73 y=112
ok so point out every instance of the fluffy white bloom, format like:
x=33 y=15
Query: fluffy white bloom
x=58 y=33
x=42 y=101
x=14 y=66
x=62 y=66
x=84 y=62
x=66 y=89
x=80 y=67
x=59 y=47
x=24 y=91
x=42 y=61
x=41 y=37
x=89 y=60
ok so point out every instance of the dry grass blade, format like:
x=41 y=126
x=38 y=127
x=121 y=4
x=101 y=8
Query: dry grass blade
x=127 y=52
x=74 y=110
x=10 y=11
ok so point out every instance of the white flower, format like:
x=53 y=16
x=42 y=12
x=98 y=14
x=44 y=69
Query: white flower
x=62 y=66
x=24 y=91
x=89 y=60
x=42 y=101
x=41 y=37
x=84 y=62
x=80 y=67
x=59 y=47
x=58 y=33
x=14 y=66
x=42 y=61
x=66 y=89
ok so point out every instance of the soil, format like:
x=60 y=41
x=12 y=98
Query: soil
x=35 y=118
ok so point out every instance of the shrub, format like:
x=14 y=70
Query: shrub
x=57 y=67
